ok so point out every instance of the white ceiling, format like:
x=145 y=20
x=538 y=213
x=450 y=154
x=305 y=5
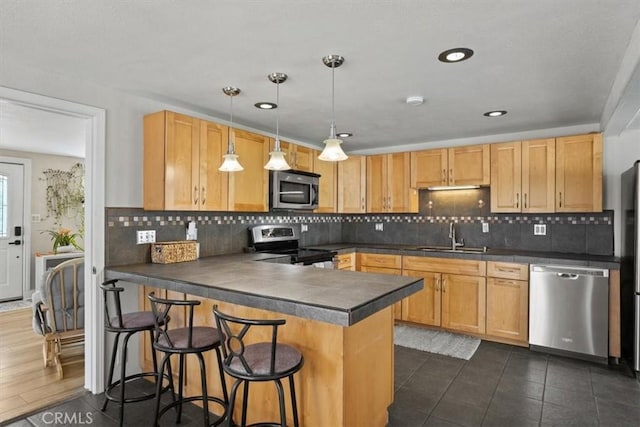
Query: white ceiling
x=549 y=63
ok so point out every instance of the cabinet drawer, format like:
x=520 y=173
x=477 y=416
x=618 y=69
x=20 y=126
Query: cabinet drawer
x=445 y=265
x=508 y=270
x=380 y=260
x=346 y=261
x=381 y=270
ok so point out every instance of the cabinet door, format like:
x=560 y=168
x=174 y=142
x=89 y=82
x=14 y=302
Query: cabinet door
x=248 y=188
x=507 y=308
x=304 y=158
x=377 y=183
x=352 y=185
x=463 y=303
x=346 y=261
x=328 y=185
x=469 y=165
x=397 y=307
x=505 y=177
x=399 y=182
x=214 y=184
x=579 y=173
x=429 y=168
x=182 y=174
x=538 y=175
x=424 y=306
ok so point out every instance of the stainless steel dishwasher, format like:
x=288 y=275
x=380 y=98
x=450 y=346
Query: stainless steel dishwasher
x=568 y=311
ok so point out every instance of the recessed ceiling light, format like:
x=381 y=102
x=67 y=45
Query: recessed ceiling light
x=415 y=100
x=495 y=113
x=344 y=134
x=266 y=105
x=455 y=55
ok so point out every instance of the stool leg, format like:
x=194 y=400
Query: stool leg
x=232 y=401
x=159 y=387
x=223 y=381
x=153 y=352
x=283 y=415
x=203 y=381
x=294 y=405
x=114 y=352
x=180 y=381
x=245 y=404
x=123 y=372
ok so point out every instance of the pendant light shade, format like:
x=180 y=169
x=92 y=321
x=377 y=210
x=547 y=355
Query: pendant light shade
x=277 y=162
x=230 y=162
x=332 y=150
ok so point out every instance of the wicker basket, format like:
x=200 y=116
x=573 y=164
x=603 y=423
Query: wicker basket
x=170 y=252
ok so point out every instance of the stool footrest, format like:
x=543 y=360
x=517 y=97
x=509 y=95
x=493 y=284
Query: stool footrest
x=210 y=399
x=139 y=398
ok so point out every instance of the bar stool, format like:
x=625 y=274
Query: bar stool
x=182 y=341
x=264 y=361
x=127 y=324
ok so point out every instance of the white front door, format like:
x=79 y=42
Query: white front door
x=11 y=231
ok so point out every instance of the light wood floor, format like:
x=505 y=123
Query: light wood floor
x=25 y=384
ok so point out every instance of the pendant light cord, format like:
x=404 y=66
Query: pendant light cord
x=333 y=101
x=231 y=148
x=277 y=147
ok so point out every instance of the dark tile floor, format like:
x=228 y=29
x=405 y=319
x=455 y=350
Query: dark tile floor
x=500 y=386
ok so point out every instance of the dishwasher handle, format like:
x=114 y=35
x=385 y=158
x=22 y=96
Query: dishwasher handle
x=568 y=272
x=569 y=276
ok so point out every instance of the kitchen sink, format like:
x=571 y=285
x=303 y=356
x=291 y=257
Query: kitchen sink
x=448 y=249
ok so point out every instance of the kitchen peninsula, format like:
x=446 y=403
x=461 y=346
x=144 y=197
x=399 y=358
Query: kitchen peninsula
x=341 y=321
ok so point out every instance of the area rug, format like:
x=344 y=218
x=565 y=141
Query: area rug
x=14 y=305
x=434 y=341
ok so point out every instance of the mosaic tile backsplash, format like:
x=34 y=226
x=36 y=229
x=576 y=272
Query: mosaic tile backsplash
x=227 y=232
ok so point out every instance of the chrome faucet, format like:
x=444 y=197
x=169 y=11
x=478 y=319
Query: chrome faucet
x=452 y=236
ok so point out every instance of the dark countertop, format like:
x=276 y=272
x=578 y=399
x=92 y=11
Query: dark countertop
x=331 y=296
x=504 y=255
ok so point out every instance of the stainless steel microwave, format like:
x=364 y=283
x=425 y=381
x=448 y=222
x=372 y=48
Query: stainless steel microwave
x=293 y=189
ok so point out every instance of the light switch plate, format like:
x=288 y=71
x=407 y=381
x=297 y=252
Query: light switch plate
x=539 y=229
x=485 y=227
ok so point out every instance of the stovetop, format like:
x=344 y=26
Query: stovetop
x=283 y=240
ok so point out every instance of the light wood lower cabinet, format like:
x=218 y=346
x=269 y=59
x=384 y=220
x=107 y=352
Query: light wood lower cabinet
x=424 y=306
x=346 y=261
x=454 y=293
x=382 y=264
x=463 y=303
x=508 y=301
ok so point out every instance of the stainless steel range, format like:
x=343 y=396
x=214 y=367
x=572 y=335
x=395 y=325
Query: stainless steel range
x=284 y=240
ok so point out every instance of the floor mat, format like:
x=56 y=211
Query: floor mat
x=435 y=341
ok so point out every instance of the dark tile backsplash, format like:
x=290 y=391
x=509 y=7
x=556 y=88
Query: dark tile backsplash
x=227 y=232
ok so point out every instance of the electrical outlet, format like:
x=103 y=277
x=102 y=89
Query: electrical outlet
x=539 y=229
x=36 y=218
x=379 y=226
x=145 y=236
x=304 y=228
x=485 y=227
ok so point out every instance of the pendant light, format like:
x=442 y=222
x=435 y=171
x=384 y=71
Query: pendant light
x=277 y=162
x=332 y=151
x=230 y=163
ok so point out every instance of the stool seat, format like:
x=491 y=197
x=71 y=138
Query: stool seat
x=258 y=359
x=140 y=320
x=175 y=340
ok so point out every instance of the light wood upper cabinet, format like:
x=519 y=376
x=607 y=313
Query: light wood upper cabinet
x=538 y=175
x=506 y=172
x=388 y=183
x=248 y=188
x=352 y=185
x=467 y=165
x=328 y=184
x=523 y=176
x=181 y=159
x=429 y=168
x=297 y=156
x=579 y=173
